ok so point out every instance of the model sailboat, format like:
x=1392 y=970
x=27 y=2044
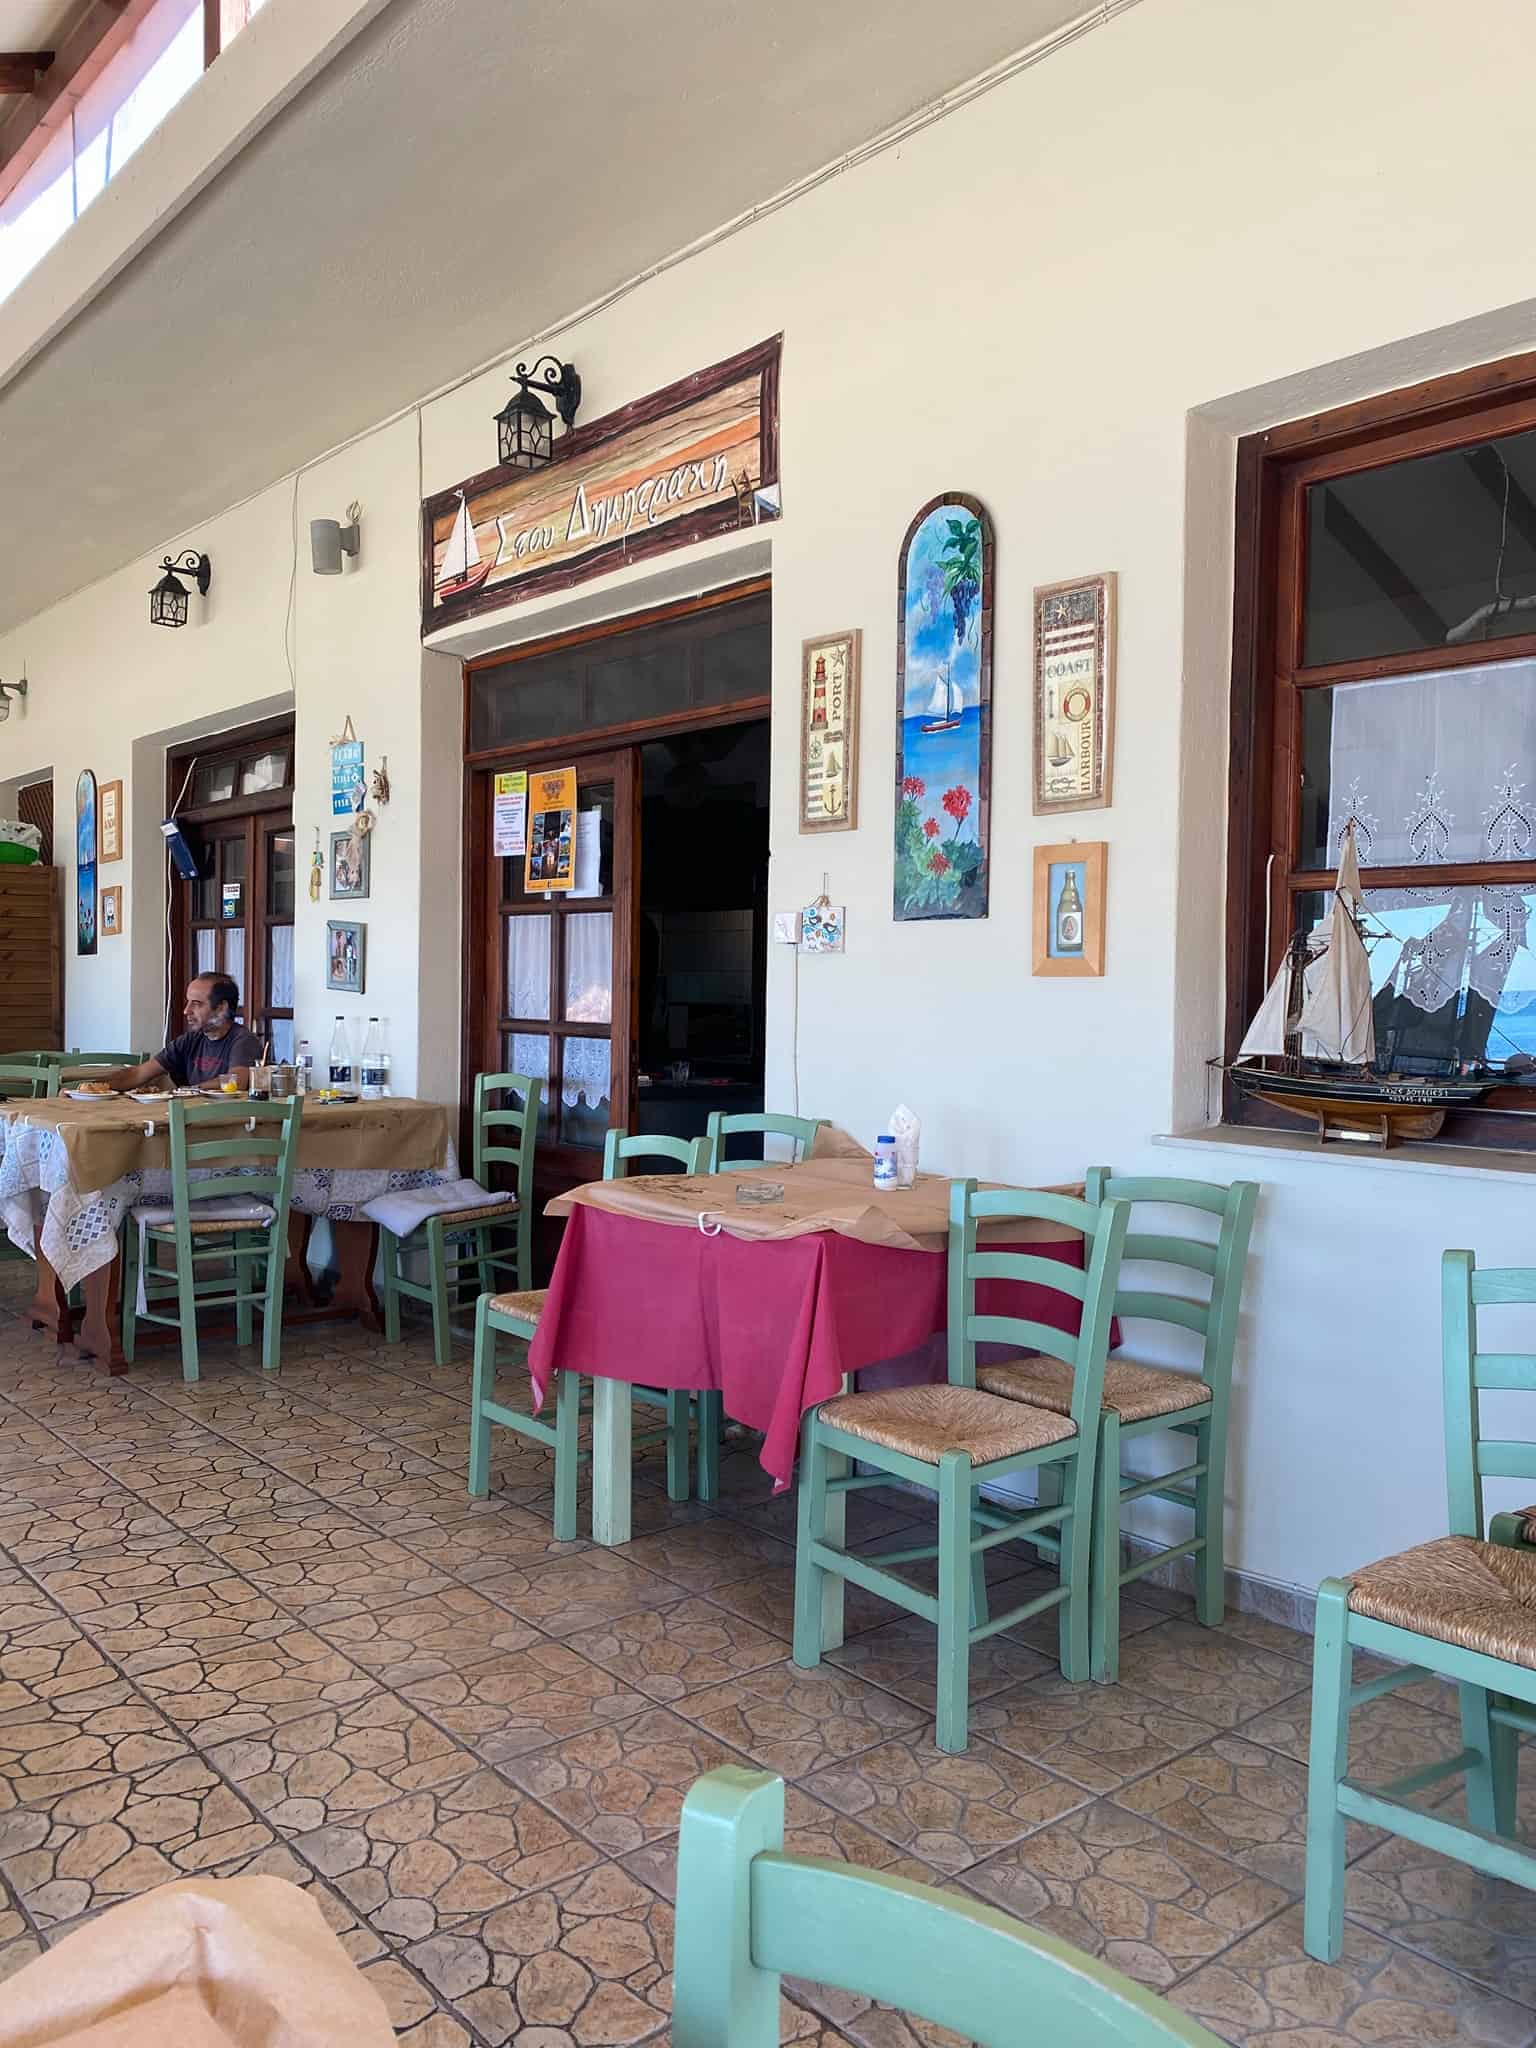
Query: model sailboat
x=462 y=568
x=945 y=707
x=1314 y=1037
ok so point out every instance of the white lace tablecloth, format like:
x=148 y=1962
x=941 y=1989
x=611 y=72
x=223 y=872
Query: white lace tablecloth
x=79 y=1231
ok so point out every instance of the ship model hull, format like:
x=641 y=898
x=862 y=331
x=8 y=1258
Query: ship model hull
x=1387 y=1108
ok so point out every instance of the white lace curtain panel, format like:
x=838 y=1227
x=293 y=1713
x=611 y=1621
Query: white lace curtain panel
x=1434 y=769
x=586 y=1065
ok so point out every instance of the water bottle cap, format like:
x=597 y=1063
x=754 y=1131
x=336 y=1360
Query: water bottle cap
x=886 y=1138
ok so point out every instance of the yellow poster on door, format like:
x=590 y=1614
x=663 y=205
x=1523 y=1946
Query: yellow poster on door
x=550 y=862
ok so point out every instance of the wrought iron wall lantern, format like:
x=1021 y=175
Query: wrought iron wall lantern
x=7 y=692
x=168 y=599
x=525 y=428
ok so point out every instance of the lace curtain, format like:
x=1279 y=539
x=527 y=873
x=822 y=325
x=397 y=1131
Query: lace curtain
x=588 y=999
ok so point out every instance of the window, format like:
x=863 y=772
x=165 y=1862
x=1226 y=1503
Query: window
x=1385 y=677
x=237 y=917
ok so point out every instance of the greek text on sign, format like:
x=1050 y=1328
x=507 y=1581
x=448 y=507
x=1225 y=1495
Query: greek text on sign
x=1074 y=694
x=698 y=458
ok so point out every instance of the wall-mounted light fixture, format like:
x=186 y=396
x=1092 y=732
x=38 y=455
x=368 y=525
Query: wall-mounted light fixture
x=168 y=599
x=329 y=540
x=525 y=428
x=7 y=692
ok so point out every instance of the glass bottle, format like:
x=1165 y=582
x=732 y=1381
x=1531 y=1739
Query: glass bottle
x=341 y=1055
x=1069 y=916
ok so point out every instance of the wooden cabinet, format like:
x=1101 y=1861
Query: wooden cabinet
x=31 y=959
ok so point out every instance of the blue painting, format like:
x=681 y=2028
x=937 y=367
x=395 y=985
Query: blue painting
x=944 y=712
x=85 y=863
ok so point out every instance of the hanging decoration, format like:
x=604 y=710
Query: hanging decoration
x=316 y=869
x=349 y=787
x=379 y=784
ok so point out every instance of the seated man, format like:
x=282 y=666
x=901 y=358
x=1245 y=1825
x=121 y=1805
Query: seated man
x=214 y=1049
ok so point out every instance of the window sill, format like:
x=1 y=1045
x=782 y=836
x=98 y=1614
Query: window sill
x=1480 y=1162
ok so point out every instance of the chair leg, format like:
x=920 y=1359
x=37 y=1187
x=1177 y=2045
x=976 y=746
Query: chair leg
x=711 y=1416
x=481 y=1388
x=390 y=1262
x=567 y=1421
x=524 y=1241
x=979 y=1610
x=1332 y=1660
x=1105 y=1567
x=1211 y=1522
x=679 y=1416
x=244 y=1278
x=186 y=1308
x=1047 y=1495
x=486 y=1270
x=953 y=1718
x=1491 y=1784
x=1077 y=1565
x=272 y=1300
x=437 y=1260
x=810 y=1527
x=130 y=1307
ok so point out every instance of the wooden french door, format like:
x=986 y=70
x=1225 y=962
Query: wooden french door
x=240 y=921
x=561 y=997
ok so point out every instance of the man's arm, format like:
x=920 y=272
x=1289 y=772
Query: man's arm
x=121 y=1079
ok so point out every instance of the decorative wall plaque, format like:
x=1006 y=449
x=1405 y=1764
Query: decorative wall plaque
x=1074 y=694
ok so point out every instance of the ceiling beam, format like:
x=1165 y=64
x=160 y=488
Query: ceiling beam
x=19 y=69
x=95 y=40
x=1390 y=579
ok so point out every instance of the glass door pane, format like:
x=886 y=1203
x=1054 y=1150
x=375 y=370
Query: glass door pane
x=586 y=1066
x=528 y=953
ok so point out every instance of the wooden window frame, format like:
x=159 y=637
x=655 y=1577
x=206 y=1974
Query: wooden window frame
x=1269 y=675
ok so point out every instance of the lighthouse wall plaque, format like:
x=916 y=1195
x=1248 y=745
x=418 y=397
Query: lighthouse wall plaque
x=1074 y=694
x=829 y=733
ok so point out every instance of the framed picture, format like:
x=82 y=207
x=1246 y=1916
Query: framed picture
x=112 y=911
x=85 y=862
x=944 y=712
x=1069 y=908
x=346 y=956
x=1074 y=694
x=829 y=733
x=110 y=810
x=351 y=866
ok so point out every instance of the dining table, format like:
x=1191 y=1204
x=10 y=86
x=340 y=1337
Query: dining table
x=70 y=1171
x=778 y=1285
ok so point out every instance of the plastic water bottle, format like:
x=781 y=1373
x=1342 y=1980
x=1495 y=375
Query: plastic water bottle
x=306 y=1067
x=341 y=1055
x=374 y=1071
x=885 y=1164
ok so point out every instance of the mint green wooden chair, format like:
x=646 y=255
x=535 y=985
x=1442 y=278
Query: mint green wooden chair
x=749 y=1915
x=1457 y=1607
x=235 y=1221
x=956 y=1439
x=25 y=1080
x=800 y=1130
x=517 y=1315
x=441 y=1237
x=1142 y=1399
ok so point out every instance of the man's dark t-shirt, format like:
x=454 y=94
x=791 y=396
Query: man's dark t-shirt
x=194 y=1059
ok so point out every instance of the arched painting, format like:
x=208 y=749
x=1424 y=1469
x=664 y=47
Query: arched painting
x=944 y=712
x=85 y=862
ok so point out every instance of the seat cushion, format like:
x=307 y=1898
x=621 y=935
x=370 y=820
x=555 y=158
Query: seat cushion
x=228 y=1212
x=527 y=1306
x=1479 y=1596
x=485 y=1212
x=925 y=1422
x=1135 y=1392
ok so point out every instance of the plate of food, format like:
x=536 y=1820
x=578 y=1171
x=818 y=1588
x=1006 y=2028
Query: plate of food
x=147 y=1094
x=90 y=1091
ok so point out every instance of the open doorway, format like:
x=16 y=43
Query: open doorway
x=703 y=940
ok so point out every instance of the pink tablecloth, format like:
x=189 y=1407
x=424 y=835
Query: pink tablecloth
x=774 y=1325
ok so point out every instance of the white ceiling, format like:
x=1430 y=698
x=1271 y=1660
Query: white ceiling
x=34 y=24
x=366 y=247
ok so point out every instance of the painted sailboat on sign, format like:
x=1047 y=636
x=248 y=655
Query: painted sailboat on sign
x=1317 y=1020
x=945 y=706
x=462 y=568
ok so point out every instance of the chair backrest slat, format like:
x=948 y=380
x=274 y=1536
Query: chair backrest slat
x=1164 y=1308
x=800 y=1130
x=1224 y=1263
x=1030 y=1268
x=493 y=1114
x=747 y=1915
x=1468 y=1371
x=619 y=1148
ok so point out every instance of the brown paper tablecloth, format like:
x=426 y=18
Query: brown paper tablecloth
x=105 y=1140
x=242 y=1962
x=823 y=1193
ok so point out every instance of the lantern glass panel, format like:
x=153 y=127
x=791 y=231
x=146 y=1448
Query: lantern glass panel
x=168 y=602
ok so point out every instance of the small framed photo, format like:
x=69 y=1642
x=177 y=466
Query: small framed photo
x=112 y=912
x=346 y=956
x=829 y=733
x=109 y=811
x=1069 y=908
x=351 y=866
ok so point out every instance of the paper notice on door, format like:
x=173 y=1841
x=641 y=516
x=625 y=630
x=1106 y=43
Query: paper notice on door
x=589 y=853
x=509 y=814
x=549 y=862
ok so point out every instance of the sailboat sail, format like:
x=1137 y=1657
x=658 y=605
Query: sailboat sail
x=938 y=703
x=463 y=551
x=1266 y=1034
x=1337 y=1021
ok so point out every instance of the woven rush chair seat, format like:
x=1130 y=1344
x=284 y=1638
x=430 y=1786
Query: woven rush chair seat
x=483 y=1212
x=925 y=1422
x=527 y=1304
x=1135 y=1392
x=1480 y=1596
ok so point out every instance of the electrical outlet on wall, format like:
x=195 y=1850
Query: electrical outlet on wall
x=786 y=927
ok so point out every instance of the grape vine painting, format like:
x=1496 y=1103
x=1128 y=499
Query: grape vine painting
x=944 y=712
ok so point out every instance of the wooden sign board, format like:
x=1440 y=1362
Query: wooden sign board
x=699 y=458
x=1074 y=694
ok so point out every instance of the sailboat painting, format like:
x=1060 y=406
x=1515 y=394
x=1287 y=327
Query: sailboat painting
x=462 y=569
x=944 y=712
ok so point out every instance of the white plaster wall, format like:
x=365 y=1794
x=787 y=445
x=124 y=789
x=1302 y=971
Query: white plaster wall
x=1067 y=301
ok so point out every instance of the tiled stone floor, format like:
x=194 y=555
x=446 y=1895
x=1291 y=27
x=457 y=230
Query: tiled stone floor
x=257 y=1625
